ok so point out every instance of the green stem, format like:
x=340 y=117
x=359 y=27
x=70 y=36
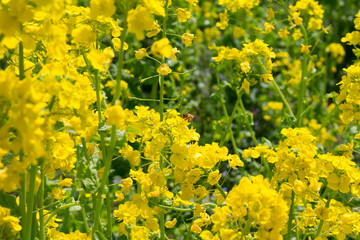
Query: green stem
x=283 y=99
x=98 y=99
x=278 y=90
x=247 y=227
x=23 y=202
x=108 y=213
x=21 y=62
x=107 y=163
x=121 y=60
x=41 y=203
x=162 y=225
x=161 y=79
x=23 y=181
x=291 y=216
x=55 y=211
x=212 y=205
x=83 y=214
x=97 y=87
x=220 y=190
x=83 y=142
x=301 y=95
x=247 y=123
x=30 y=203
x=318 y=232
x=229 y=120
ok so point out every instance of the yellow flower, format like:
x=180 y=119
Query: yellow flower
x=237 y=5
x=246 y=86
x=141 y=53
x=214 y=177
x=9 y=225
x=283 y=32
x=193 y=2
x=117 y=44
x=171 y=224
x=238 y=32
x=305 y=49
x=268 y=27
x=101 y=59
x=297 y=19
x=162 y=48
x=297 y=34
x=187 y=39
x=337 y=51
x=224 y=19
x=164 y=69
x=155 y=6
x=173 y=56
x=139 y=20
x=315 y=24
x=139 y=232
x=270 y=13
x=105 y=8
x=83 y=35
x=277 y=106
x=67 y=182
x=115 y=116
x=183 y=14
x=155 y=29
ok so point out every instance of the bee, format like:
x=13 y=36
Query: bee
x=188 y=117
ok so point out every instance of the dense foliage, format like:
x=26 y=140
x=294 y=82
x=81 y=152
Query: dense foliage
x=183 y=119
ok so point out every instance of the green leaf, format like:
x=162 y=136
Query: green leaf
x=99 y=236
x=266 y=142
x=9 y=201
x=104 y=128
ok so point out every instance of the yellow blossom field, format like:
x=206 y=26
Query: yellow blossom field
x=179 y=119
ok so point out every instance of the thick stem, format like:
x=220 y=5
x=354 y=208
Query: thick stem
x=161 y=82
x=83 y=142
x=98 y=99
x=104 y=178
x=41 y=203
x=21 y=62
x=83 y=214
x=291 y=216
x=23 y=202
x=162 y=225
x=121 y=59
x=108 y=214
x=301 y=95
x=30 y=203
x=23 y=181
x=247 y=227
x=220 y=190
